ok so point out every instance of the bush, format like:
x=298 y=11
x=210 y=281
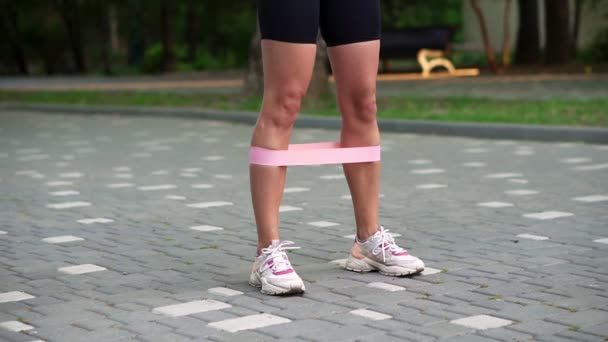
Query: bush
x=153 y=59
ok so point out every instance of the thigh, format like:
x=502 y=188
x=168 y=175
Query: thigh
x=349 y=21
x=292 y=21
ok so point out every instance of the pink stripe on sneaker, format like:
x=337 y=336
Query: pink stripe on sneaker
x=287 y=271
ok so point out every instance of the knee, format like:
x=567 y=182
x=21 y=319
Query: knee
x=283 y=107
x=360 y=108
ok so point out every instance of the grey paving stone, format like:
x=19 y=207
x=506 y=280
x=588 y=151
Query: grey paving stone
x=154 y=258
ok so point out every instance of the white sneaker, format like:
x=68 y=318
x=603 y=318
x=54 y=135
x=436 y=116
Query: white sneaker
x=380 y=253
x=273 y=272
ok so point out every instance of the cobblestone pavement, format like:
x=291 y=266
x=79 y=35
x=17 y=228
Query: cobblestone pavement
x=118 y=228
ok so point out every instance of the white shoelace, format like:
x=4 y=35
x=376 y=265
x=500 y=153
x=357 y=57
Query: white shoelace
x=386 y=239
x=278 y=256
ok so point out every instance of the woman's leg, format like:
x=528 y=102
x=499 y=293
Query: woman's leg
x=287 y=72
x=355 y=67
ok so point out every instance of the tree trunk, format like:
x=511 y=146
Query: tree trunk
x=557 y=26
x=13 y=35
x=484 y=34
x=70 y=16
x=105 y=36
x=527 y=50
x=319 y=83
x=254 y=78
x=578 y=4
x=506 y=41
x=166 y=17
x=191 y=36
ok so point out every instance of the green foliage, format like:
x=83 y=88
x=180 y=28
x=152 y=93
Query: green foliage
x=598 y=50
x=153 y=59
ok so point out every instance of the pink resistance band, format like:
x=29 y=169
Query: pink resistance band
x=314 y=154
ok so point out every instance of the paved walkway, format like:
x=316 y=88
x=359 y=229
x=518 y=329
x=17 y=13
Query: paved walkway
x=531 y=87
x=140 y=229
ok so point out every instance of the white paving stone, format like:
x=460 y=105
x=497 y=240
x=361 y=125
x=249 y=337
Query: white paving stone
x=189 y=308
x=213 y=158
x=120 y=185
x=340 y=262
x=474 y=164
x=157 y=187
x=15 y=326
x=518 y=181
x=223 y=176
x=323 y=224
x=431 y=186
x=504 y=175
x=330 y=177
x=59 y=183
x=14 y=296
x=373 y=315
x=27 y=150
x=188 y=175
x=124 y=175
x=141 y=155
x=532 y=237
x=249 y=322
x=81 y=269
x=223 y=291
x=206 y=228
x=34 y=157
x=191 y=169
x=62 y=239
x=476 y=150
x=26 y=172
x=386 y=287
x=202 y=186
x=295 y=189
x=495 y=204
x=592 y=167
x=548 y=215
x=604 y=240
x=95 y=220
x=286 y=208
x=212 y=204
x=121 y=169
x=71 y=175
x=176 y=197
x=521 y=192
x=577 y=160
x=420 y=161
x=160 y=172
x=2 y=232
x=429 y=271
x=524 y=153
x=64 y=193
x=592 y=198
x=68 y=205
x=427 y=171
x=482 y=322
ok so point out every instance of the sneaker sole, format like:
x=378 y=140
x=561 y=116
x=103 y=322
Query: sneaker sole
x=367 y=265
x=269 y=289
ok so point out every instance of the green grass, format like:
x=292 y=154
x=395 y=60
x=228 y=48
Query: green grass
x=541 y=112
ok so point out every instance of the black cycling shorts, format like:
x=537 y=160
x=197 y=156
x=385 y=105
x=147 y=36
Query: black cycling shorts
x=341 y=21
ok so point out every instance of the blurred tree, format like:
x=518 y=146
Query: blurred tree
x=69 y=13
x=10 y=19
x=484 y=34
x=166 y=21
x=191 y=34
x=557 y=28
x=102 y=10
x=506 y=31
x=528 y=42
